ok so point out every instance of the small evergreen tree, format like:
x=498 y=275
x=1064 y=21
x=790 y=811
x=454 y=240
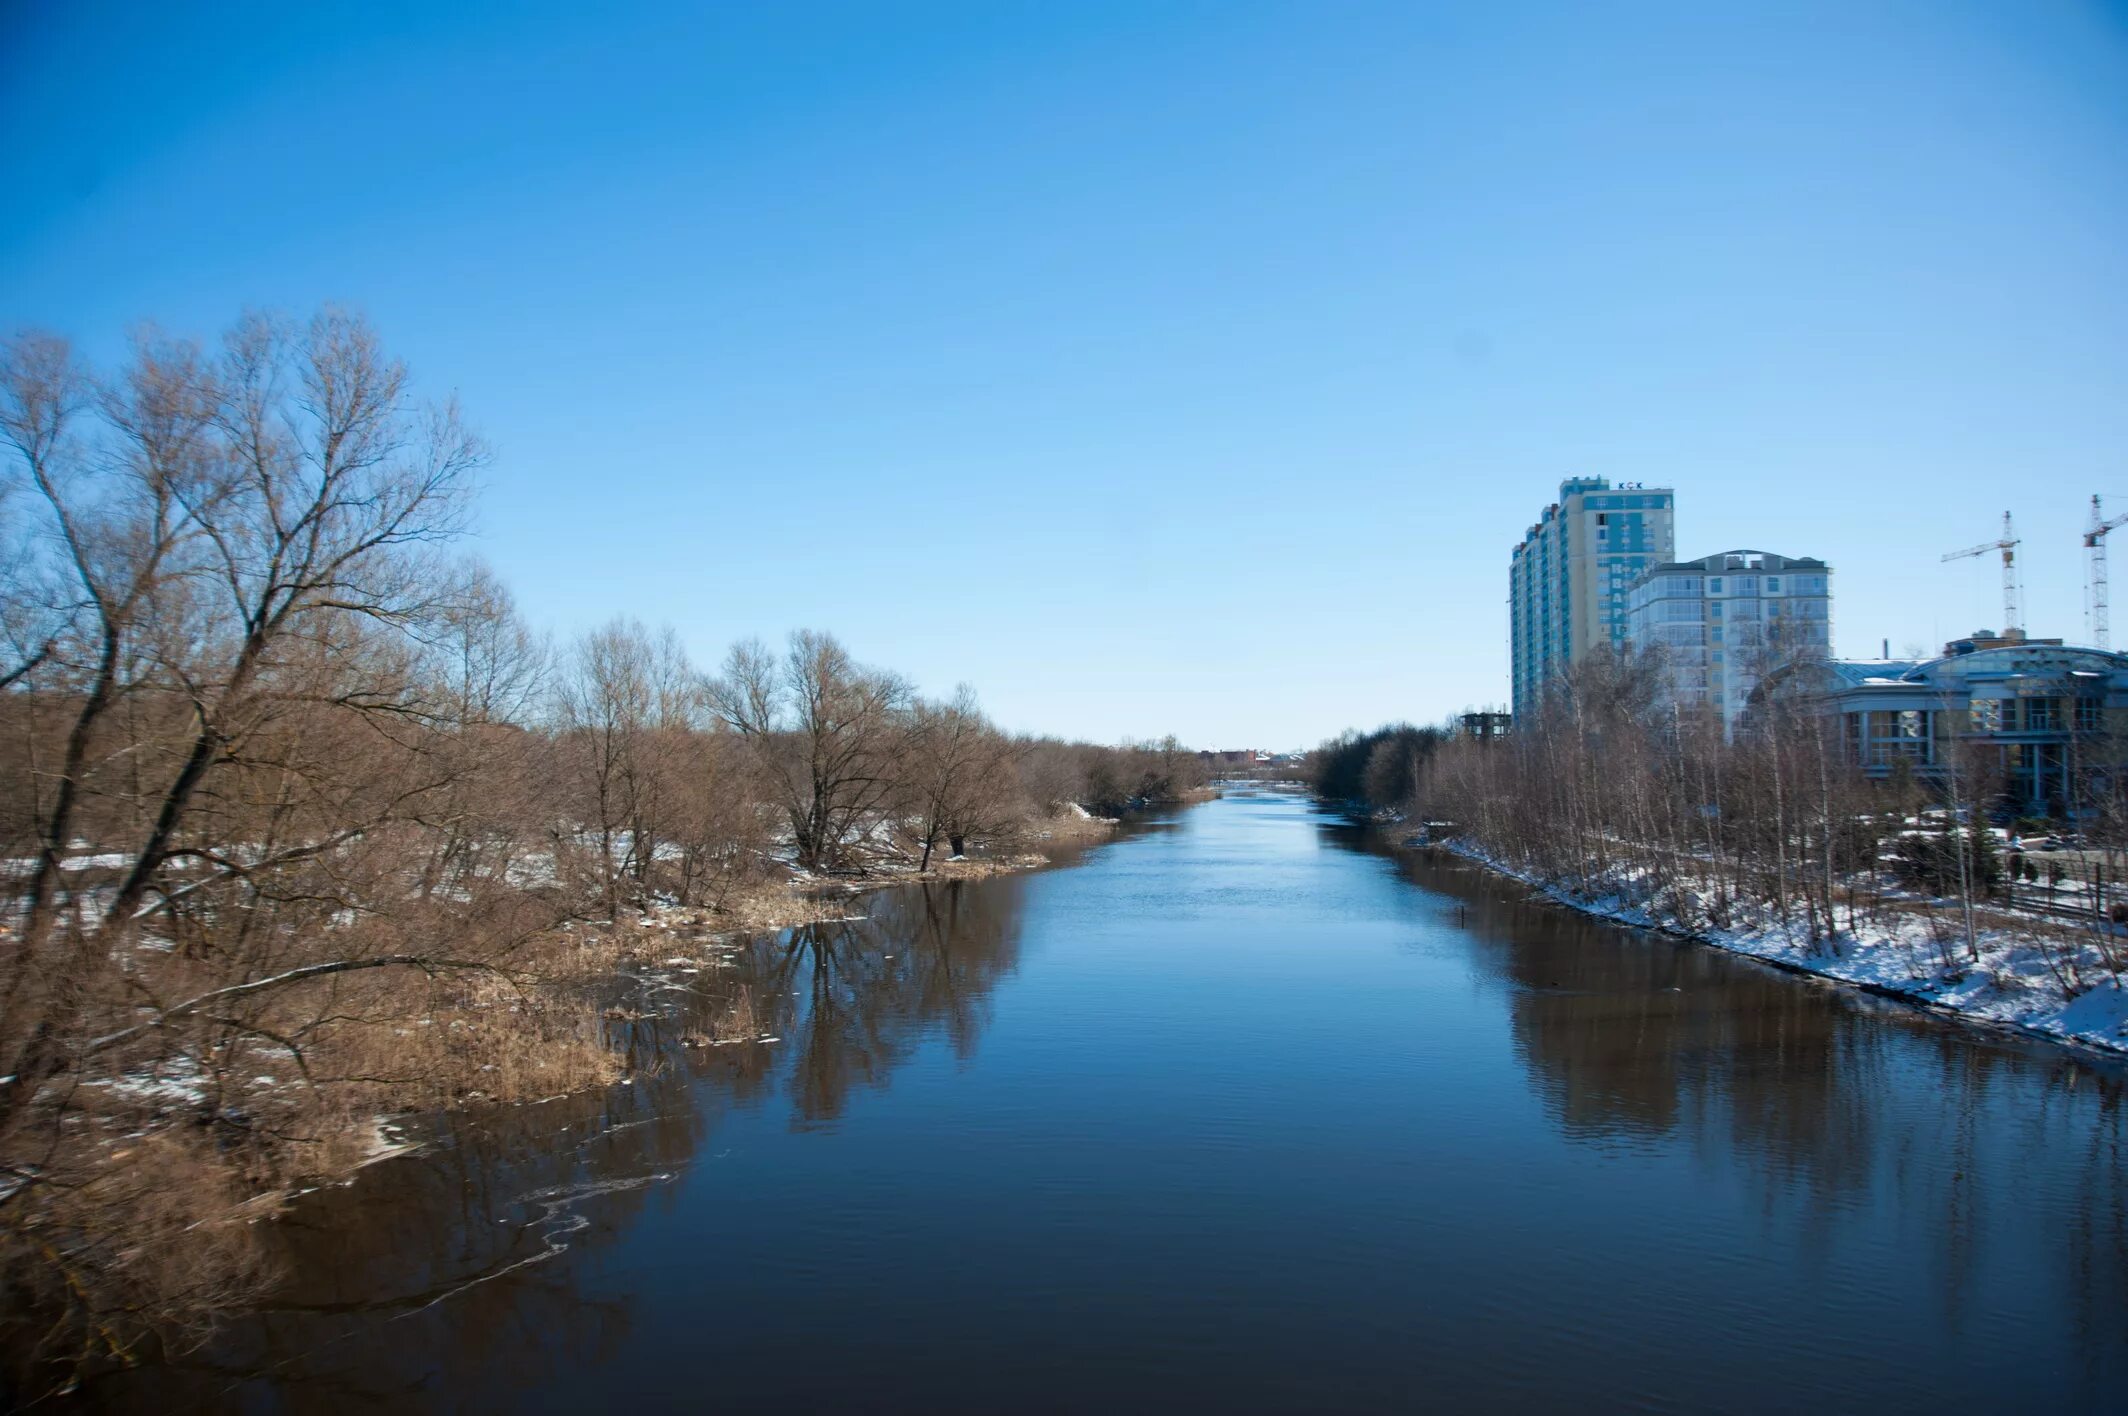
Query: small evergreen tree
x=1928 y=859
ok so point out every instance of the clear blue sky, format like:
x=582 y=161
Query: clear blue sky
x=1152 y=366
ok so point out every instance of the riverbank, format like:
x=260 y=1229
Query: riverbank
x=535 y=1028
x=1164 y=1046
x=200 y=1136
x=2012 y=979
x=538 y=1031
x=799 y=899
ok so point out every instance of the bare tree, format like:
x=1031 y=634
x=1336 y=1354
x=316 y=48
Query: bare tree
x=608 y=706
x=287 y=791
x=660 y=791
x=237 y=761
x=831 y=737
x=222 y=519
x=488 y=674
x=961 y=776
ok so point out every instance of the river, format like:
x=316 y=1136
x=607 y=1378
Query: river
x=1240 y=1113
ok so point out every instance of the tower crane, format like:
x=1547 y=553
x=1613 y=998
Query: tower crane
x=2095 y=553
x=2008 y=546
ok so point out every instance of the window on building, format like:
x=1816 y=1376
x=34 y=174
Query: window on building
x=2042 y=715
x=1773 y=584
x=1985 y=715
x=2090 y=714
x=1714 y=585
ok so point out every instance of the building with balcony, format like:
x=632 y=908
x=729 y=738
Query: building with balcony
x=1567 y=580
x=2036 y=721
x=1721 y=622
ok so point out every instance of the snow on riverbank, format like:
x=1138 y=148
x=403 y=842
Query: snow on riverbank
x=2015 y=983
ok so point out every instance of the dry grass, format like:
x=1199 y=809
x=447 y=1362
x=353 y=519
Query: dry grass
x=766 y=905
x=149 y=1195
x=157 y=1223
x=983 y=868
x=1071 y=826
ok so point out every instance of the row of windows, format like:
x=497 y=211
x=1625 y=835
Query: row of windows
x=1983 y=715
x=1744 y=586
x=2032 y=715
x=1749 y=584
x=1879 y=738
x=1677 y=607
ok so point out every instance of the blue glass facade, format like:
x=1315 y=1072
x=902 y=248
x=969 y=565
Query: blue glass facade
x=1568 y=580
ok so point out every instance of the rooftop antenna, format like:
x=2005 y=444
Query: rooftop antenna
x=2096 y=610
x=2008 y=546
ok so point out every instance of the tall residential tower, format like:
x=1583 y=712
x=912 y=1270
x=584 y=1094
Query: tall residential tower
x=1567 y=581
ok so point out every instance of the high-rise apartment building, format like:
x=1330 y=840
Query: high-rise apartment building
x=1722 y=621
x=1568 y=580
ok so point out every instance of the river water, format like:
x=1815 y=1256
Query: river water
x=1236 y=1113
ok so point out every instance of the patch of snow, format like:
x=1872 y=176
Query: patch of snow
x=177 y=1082
x=2014 y=982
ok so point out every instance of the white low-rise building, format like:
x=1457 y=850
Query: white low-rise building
x=1721 y=622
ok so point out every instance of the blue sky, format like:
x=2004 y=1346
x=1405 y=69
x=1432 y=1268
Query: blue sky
x=1154 y=367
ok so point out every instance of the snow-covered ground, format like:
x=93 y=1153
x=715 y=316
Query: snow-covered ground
x=2016 y=982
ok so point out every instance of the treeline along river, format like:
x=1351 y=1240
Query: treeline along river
x=1236 y=1113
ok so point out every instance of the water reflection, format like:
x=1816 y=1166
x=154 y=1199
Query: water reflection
x=439 y=1262
x=853 y=999
x=1572 y=1166
x=1990 y=1154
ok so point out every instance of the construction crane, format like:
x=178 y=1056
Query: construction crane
x=2008 y=546
x=2095 y=591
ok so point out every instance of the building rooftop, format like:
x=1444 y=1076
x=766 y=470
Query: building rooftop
x=1743 y=560
x=1580 y=486
x=2000 y=661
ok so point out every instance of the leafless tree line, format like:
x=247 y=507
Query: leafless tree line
x=298 y=817
x=1608 y=793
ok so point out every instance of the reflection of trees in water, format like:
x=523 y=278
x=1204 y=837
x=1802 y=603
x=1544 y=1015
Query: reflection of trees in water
x=433 y=1263
x=847 y=1000
x=854 y=999
x=1631 y=1041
